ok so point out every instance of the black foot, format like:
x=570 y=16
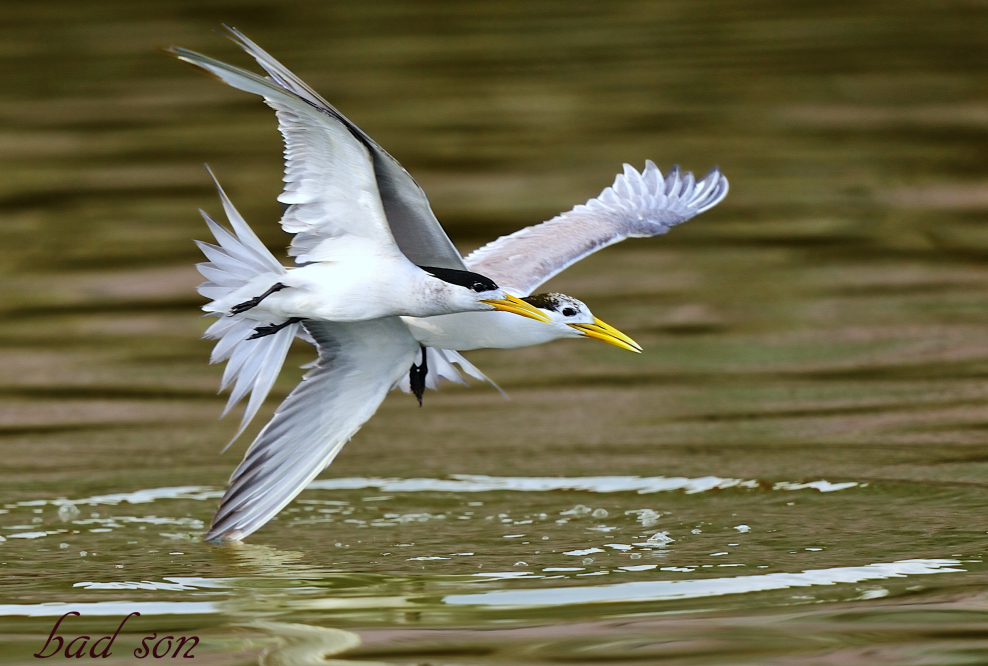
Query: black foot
x=271 y=329
x=254 y=302
x=417 y=375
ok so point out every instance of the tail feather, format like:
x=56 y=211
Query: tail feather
x=440 y=364
x=252 y=365
x=470 y=369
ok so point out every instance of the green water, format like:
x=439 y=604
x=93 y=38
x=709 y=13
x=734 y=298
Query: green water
x=805 y=431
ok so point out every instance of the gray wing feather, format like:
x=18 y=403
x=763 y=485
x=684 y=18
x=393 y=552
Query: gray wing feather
x=415 y=228
x=358 y=363
x=330 y=181
x=637 y=205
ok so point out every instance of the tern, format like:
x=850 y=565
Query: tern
x=316 y=420
x=364 y=348
x=637 y=205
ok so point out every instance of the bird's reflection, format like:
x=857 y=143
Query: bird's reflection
x=289 y=644
x=305 y=644
x=261 y=560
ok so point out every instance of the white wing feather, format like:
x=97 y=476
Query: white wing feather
x=415 y=227
x=330 y=182
x=637 y=205
x=358 y=363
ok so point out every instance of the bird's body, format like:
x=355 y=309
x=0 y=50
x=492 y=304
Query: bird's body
x=465 y=333
x=349 y=309
x=380 y=290
x=350 y=290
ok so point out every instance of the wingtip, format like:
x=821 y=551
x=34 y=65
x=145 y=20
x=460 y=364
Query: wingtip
x=232 y=34
x=171 y=51
x=716 y=187
x=224 y=537
x=191 y=59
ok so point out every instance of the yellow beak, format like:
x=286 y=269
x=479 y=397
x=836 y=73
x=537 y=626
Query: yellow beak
x=518 y=307
x=608 y=334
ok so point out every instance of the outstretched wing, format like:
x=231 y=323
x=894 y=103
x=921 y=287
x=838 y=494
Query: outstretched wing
x=413 y=224
x=637 y=205
x=330 y=182
x=357 y=366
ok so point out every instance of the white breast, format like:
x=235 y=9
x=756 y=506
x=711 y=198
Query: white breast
x=479 y=330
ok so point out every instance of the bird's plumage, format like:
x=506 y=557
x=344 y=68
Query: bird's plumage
x=330 y=182
x=348 y=198
x=357 y=365
x=637 y=205
x=238 y=259
x=413 y=224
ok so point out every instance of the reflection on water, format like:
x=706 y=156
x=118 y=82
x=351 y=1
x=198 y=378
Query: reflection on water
x=302 y=644
x=792 y=473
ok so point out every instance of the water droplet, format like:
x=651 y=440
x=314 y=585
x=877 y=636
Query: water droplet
x=742 y=528
x=82 y=553
x=636 y=556
x=647 y=517
x=660 y=538
x=521 y=564
x=67 y=512
x=588 y=560
x=63 y=545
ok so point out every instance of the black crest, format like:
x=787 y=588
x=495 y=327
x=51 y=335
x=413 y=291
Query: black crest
x=561 y=303
x=475 y=281
x=544 y=301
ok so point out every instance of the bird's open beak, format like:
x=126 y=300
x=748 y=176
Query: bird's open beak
x=519 y=307
x=608 y=334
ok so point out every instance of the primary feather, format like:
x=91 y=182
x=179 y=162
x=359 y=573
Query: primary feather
x=330 y=183
x=413 y=224
x=358 y=364
x=637 y=205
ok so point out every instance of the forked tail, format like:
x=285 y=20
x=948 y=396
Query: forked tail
x=252 y=365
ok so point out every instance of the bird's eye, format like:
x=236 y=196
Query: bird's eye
x=568 y=312
x=479 y=287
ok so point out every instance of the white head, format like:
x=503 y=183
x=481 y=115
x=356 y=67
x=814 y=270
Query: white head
x=571 y=318
x=464 y=291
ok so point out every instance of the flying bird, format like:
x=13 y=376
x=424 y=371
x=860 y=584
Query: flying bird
x=320 y=146
x=637 y=205
x=364 y=348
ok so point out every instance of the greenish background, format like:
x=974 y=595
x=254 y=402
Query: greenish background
x=825 y=322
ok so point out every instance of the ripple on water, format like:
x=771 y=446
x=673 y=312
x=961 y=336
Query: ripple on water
x=664 y=590
x=467 y=483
